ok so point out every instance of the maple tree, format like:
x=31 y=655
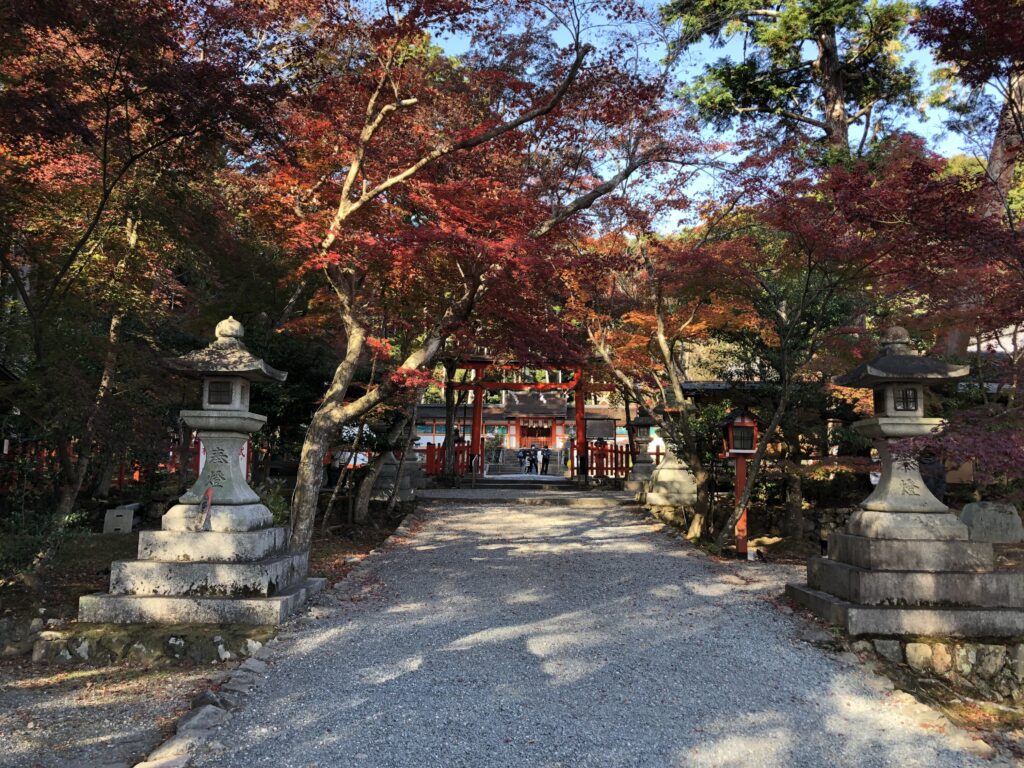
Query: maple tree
x=414 y=184
x=811 y=247
x=108 y=111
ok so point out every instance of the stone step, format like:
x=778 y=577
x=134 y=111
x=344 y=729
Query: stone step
x=924 y=622
x=910 y=588
x=264 y=578
x=134 y=609
x=524 y=485
x=211 y=546
x=895 y=555
x=553 y=499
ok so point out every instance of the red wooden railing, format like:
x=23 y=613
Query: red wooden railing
x=610 y=460
x=435 y=459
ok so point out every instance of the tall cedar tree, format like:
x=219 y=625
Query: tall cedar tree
x=807 y=65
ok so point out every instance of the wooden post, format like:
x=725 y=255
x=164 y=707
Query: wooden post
x=476 y=443
x=581 y=422
x=741 y=524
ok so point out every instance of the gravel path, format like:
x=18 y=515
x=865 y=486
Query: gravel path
x=559 y=636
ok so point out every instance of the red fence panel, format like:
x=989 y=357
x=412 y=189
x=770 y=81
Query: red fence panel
x=435 y=459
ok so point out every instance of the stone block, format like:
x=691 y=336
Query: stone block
x=672 y=484
x=991 y=659
x=1018 y=662
x=858 y=620
x=891 y=650
x=890 y=555
x=203 y=719
x=119 y=520
x=914 y=526
x=153 y=577
x=993 y=522
x=942 y=659
x=135 y=609
x=919 y=656
x=964 y=659
x=210 y=546
x=916 y=588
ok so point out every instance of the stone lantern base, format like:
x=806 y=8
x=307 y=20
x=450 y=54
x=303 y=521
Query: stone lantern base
x=672 y=484
x=238 y=572
x=907 y=574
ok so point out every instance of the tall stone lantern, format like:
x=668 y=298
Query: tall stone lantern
x=904 y=566
x=217 y=558
x=643 y=465
x=901 y=502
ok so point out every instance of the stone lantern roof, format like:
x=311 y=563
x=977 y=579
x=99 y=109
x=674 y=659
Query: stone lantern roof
x=899 y=363
x=225 y=356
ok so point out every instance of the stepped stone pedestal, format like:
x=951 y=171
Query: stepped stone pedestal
x=217 y=559
x=906 y=566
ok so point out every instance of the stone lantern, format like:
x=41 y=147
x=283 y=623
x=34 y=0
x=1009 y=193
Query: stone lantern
x=898 y=378
x=217 y=558
x=643 y=465
x=672 y=482
x=223 y=426
x=904 y=565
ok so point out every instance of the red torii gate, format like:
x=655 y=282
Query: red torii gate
x=578 y=385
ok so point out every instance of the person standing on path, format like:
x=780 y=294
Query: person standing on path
x=545 y=460
x=532 y=457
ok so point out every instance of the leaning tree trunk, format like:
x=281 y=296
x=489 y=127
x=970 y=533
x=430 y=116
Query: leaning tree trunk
x=326 y=424
x=754 y=473
x=361 y=512
x=1004 y=156
x=323 y=429
x=366 y=486
x=1005 y=151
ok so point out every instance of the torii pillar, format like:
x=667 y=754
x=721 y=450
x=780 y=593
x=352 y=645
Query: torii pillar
x=476 y=441
x=579 y=401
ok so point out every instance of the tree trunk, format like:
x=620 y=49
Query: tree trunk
x=362 y=507
x=323 y=429
x=698 y=522
x=1005 y=151
x=1003 y=157
x=449 y=419
x=833 y=90
x=326 y=423
x=361 y=511
x=75 y=472
x=793 y=523
x=754 y=470
x=105 y=479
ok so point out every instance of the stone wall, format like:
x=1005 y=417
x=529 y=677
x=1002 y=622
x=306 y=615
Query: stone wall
x=144 y=645
x=18 y=634
x=822 y=522
x=992 y=671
